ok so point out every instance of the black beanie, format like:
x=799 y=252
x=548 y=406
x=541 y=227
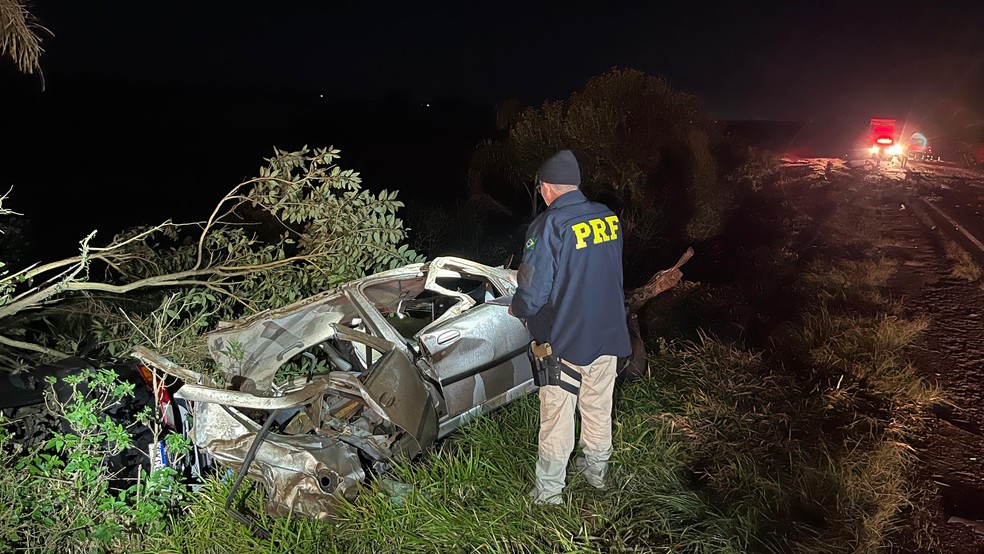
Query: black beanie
x=560 y=169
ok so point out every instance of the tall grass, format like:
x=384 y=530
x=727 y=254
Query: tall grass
x=851 y=286
x=855 y=340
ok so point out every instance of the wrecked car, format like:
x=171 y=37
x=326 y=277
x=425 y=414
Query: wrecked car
x=341 y=384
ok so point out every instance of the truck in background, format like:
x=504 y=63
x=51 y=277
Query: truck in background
x=883 y=141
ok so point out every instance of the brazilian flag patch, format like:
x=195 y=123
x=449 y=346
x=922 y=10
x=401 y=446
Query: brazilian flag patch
x=531 y=243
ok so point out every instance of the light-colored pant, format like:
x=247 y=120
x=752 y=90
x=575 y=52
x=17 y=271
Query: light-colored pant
x=594 y=402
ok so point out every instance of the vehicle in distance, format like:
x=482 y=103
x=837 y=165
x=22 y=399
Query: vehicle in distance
x=883 y=142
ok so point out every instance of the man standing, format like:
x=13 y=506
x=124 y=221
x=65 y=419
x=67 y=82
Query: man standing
x=570 y=293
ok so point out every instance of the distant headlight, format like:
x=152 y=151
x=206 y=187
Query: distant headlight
x=873 y=150
x=895 y=150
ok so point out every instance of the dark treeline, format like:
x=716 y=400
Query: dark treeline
x=110 y=155
x=106 y=155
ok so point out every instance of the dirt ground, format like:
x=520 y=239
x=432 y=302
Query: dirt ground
x=950 y=353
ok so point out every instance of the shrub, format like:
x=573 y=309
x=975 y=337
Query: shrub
x=59 y=498
x=644 y=148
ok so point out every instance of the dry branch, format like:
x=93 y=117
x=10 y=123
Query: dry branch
x=19 y=36
x=660 y=282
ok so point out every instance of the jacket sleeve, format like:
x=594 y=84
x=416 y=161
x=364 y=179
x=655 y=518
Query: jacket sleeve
x=536 y=272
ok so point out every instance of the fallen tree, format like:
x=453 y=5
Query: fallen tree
x=302 y=226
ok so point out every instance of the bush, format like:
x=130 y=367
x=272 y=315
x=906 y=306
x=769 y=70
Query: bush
x=646 y=150
x=59 y=497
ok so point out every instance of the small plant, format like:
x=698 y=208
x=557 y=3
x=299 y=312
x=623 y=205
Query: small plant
x=60 y=496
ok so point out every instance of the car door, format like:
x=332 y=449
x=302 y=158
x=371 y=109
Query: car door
x=480 y=360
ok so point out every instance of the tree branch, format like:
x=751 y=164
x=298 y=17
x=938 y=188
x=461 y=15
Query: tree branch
x=32 y=347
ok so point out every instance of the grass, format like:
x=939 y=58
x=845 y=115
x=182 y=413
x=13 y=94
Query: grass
x=852 y=286
x=964 y=266
x=470 y=496
x=870 y=274
x=849 y=227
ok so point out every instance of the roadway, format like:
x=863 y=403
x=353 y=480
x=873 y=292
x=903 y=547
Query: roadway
x=950 y=197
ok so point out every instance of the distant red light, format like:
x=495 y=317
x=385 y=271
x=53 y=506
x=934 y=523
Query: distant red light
x=884 y=140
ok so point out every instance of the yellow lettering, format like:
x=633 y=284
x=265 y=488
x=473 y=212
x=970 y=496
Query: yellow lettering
x=599 y=230
x=613 y=225
x=581 y=231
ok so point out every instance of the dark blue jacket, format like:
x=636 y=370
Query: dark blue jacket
x=570 y=281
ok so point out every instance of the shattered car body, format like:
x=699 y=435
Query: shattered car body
x=375 y=370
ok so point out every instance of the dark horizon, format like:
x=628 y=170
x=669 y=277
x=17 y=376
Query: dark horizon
x=147 y=106
x=101 y=157
x=110 y=154
x=767 y=60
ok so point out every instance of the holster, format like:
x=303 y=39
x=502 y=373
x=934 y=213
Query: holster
x=547 y=369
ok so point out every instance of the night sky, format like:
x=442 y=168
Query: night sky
x=147 y=86
x=749 y=60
